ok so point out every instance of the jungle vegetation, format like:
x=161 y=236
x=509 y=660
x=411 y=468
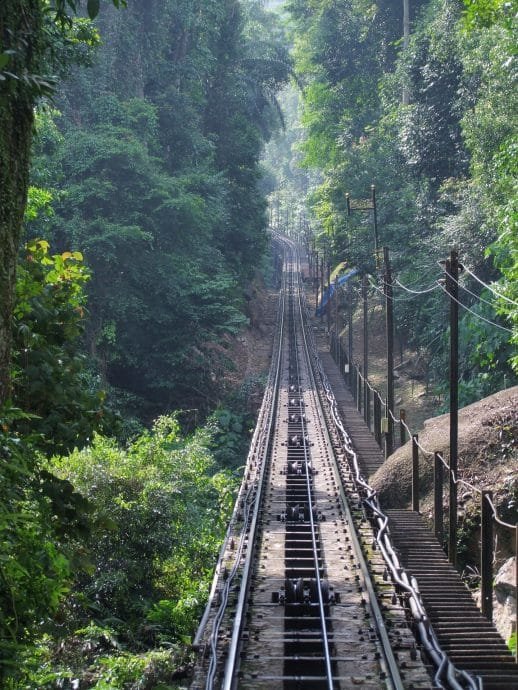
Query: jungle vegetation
x=432 y=124
x=132 y=218
x=131 y=223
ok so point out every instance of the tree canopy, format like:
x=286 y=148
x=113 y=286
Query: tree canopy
x=432 y=124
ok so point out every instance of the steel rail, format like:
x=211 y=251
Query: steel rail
x=232 y=658
x=393 y=675
x=321 y=606
x=445 y=669
x=248 y=499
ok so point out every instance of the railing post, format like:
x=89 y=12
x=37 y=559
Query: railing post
x=322 y=289
x=486 y=555
x=316 y=282
x=516 y=583
x=402 y=431
x=438 y=483
x=337 y=327
x=358 y=389
x=350 y=328
x=367 y=410
x=377 y=418
x=415 y=473
x=328 y=306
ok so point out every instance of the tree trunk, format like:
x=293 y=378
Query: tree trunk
x=20 y=31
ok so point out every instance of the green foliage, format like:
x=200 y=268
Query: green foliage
x=109 y=666
x=485 y=13
x=433 y=126
x=155 y=171
x=490 y=129
x=49 y=373
x=34 y=573
x=230 y=438
x=140 y=528
x=157 y=513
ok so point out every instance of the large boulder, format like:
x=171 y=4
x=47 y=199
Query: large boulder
x=488 y=452
x=504 y=601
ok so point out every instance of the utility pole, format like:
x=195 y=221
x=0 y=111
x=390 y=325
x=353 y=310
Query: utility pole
x=452 y=288
x=321 y=287
x=389 y=316
x=315 y=278
x=366 y=401
x=375 y=223
x=337 y=327
x=328 y=306
x=406 y=37
x=350 y=327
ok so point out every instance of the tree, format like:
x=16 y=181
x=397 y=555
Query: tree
x=21 y=28
x=442 y=162
x=30 y=35
x=157 y=175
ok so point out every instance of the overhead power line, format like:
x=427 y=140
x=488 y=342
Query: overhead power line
x=474 y=294
x=474 y=313
x=490 y=287
x=416 y=292
x=393 y=299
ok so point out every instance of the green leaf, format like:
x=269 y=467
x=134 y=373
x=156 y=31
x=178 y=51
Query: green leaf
x=93 y=8
x=4 y=59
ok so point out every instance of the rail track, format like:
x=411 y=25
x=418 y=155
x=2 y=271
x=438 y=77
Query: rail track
x=308 y=593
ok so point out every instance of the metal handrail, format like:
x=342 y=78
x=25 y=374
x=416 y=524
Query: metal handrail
x=444 y=666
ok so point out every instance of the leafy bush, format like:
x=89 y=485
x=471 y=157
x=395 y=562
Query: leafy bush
x=50 y=376
x=158 y=513
x=34 y=574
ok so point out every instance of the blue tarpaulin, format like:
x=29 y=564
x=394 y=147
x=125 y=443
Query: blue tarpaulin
x=328 y=294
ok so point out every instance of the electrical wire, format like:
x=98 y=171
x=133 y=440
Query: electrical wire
x=489 y=287
x=393 y=299
x=474 y=313
x=474 y=294
x=416 y=292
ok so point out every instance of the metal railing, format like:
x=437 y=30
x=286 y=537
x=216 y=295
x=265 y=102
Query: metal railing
x=368 y=399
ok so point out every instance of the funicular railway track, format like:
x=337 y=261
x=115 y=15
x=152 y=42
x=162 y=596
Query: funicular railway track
x=302 y=598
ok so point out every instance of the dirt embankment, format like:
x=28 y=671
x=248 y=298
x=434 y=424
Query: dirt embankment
x=250 y=351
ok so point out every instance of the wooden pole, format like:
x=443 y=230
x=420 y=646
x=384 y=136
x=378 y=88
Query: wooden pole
x=389 y=316
x=366 y=405
x=486 y=555
x=328 y=306
x=452 y=275
x=438 y=522
x=415 y=473
x=350 y=327
x=321 y=286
